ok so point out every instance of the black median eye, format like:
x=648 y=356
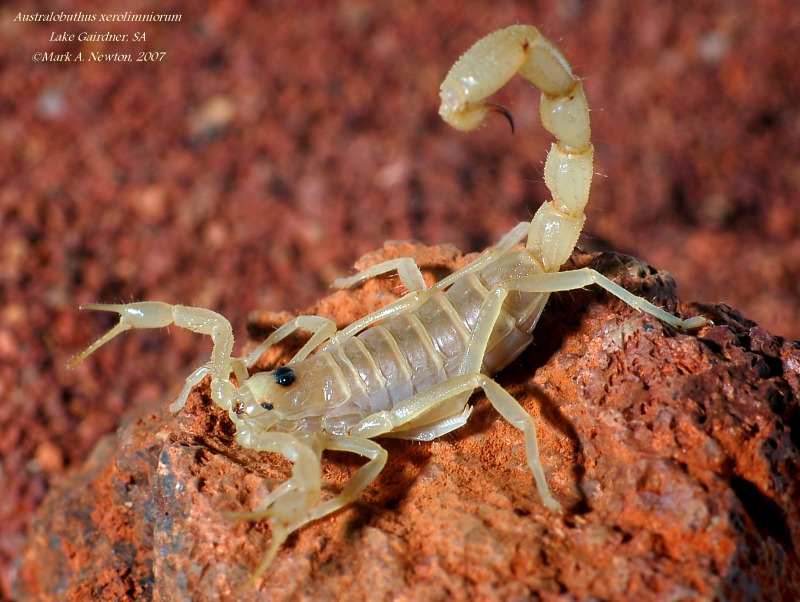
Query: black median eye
x=284 y=376
x=266 y=405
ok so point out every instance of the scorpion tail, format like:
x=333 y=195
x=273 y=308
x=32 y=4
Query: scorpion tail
x=484 y=69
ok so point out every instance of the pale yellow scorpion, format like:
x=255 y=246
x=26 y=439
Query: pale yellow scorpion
x=409 y=369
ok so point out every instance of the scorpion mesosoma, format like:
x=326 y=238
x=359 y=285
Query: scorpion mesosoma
x=409 y=369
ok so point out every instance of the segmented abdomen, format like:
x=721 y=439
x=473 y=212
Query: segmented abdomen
x=412 y=351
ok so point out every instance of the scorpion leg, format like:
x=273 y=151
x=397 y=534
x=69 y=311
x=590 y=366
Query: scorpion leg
x=509 y=240
x=360 y=480
x=407 y=270
x=501 y=399
x=575 y=279
x=291 y=505
x=415 y=298
x=321 y=329
x=410 y=275
x=154 y=314
x=405 y=303
x=291 y=502
x=460 y=387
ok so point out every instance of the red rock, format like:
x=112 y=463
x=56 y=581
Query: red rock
x=675 y=454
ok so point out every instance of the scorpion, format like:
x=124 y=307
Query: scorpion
x=409 y=369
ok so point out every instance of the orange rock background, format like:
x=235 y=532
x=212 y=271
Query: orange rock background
x=276 y=143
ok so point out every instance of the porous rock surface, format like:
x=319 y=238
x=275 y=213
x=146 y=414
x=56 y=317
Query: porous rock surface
x=675 y=455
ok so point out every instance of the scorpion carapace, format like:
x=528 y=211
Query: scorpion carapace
x=409 y=369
